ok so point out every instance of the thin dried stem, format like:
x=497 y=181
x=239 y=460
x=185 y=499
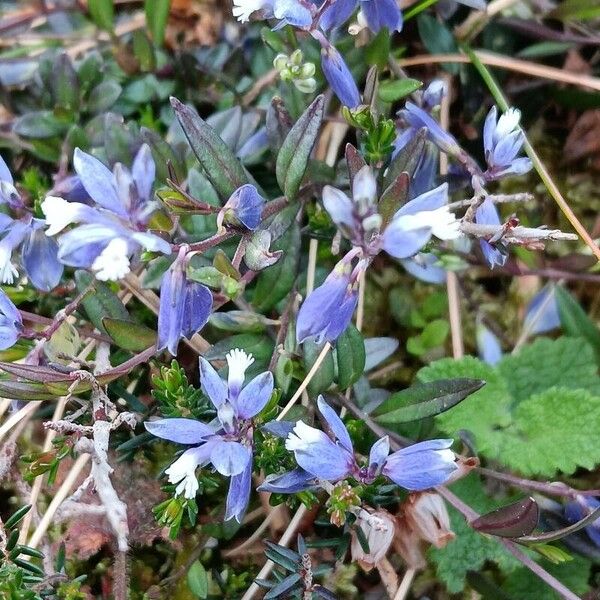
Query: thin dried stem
x=323 y=354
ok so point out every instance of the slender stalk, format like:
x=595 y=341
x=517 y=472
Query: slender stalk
x=323 y=354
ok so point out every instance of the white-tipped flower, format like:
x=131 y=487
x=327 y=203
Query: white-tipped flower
x=8 y=272
x=183 y=472
x=112 y=263
x=238 y=362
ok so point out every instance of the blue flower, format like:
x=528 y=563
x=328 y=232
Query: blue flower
x=330 y=457
x=541 y=314
x=112 y=231
x=11 y=324
x=227 y=443
x=327 y=311
x=244 y=207
x=339 y=77
x=417 y=118
x=38 y=253
x=580 y=508
x=486 y=214
x=502 y=143
x=289 y=12
x=184 y=305
x=377 y=13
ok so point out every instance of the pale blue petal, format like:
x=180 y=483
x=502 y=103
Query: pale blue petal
x=143 y=172
x=400 y=243
x=5 y=174
x=212 y=385
x=336 y=424
x=379 y=453
x=431 y=200
x=239 y=494
x=421 y=466
x=382 y=13
x=291 y=482
x=230 y=458
x=98 y=182
x=179 y=430
x=254 y=397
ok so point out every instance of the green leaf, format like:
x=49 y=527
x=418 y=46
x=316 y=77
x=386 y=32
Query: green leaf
x=485 y=412
x=556 y=430
x=325 y=374
x=129 y=336
x=293 y=156
x=103 y=96
x=377 y=51
x=565 y=362
x=438 y=39
x=197 y=580
x=392 y=91
x=350 y=357
x=574 y=319
x=221 y=166
x=40 y=124
x=470 y=550
x=102 y=13
x=65 y=85
x=570 y=10
x=425 y=400
x=275 y=283
x=157 y=14
x=102 y=302
x=283 y=586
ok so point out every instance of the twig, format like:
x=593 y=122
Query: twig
x=405 y=584
x=516 y=235
x=323 y=354
x=510 y=64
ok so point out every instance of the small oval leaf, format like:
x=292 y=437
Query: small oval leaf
x=511 y=521
x=292 y=159
x=426 y=400
x=129 y=336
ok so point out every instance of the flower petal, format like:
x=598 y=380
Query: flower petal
x=287 y=483
x=212 y=385
x=179 y=430
x=98 y=182
x=379 y=453
x=239 y=494
x=254 y=397
x=335 y=423
x=421 y=466
x=230 y=458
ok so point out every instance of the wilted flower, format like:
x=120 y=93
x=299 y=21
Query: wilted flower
x=494 y=253
x=339 y=77
x=331 y=458
x=184 y=305
x=502 y=142
x=226 y=443
x=11 y=324
x=378 y=529
x=427 y=515
x=580 y=508
x=115 y=228
x=244 y=208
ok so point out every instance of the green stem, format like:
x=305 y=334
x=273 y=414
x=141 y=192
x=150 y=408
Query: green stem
x=419 y=8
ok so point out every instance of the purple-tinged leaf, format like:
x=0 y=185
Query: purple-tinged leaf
x=511 y=521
